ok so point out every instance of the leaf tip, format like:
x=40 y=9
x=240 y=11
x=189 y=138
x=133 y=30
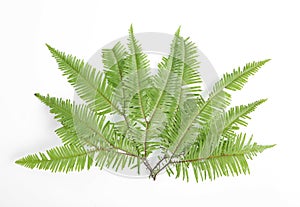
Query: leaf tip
x=267 y=60
x=131 y=28
x=270 y=146
x=263 y=100
x=48 y=46
x=51 y=49
x=38 y=95
x=177 y=33
x=19 y=162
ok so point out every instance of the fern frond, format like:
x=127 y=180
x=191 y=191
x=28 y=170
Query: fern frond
x=239 y=77
x=183 y=69
x=219 y=98
x=167 y=80
x=185 y=102
x=209 y=135
x=90 y=84
x=237 y=116
x=211 y=109
x=191 y=81
x=224 y=125
x=229 y=158
x=83 y=127
x=138 y=79
x=69 y=158
x=62 y=110
x=59 y=159
x=139 y=76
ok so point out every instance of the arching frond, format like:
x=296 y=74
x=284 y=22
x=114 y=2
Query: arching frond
x=191 y=81
x=83 y=127
x=177 y=133
x=237 y=116
x=169 y=76
x=90 y=84
x=138 y=79
x=219 y=98
x=239 y=77
x=69 y=158
x=229 y=158
x=139 y=75
x=59 y=159
x=167 y=82
x=62 y=110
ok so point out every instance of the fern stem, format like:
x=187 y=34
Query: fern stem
x=147 y=164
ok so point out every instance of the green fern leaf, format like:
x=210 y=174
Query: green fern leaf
x=62 y=109
x=237 y=116
x=60 y=159
x=219 y=99
x=90 y=84
x=230 y=158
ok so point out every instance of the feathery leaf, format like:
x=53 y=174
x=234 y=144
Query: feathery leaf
x=237 y=116
x=59 y=159
x=62 y=109
x=90 y=84
x=229 y=158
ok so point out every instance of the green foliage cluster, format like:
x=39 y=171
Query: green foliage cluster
x=162 y=114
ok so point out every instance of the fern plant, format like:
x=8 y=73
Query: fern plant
x=162 y=115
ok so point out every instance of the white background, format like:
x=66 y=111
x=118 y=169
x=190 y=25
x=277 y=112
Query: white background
x=230 y=33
